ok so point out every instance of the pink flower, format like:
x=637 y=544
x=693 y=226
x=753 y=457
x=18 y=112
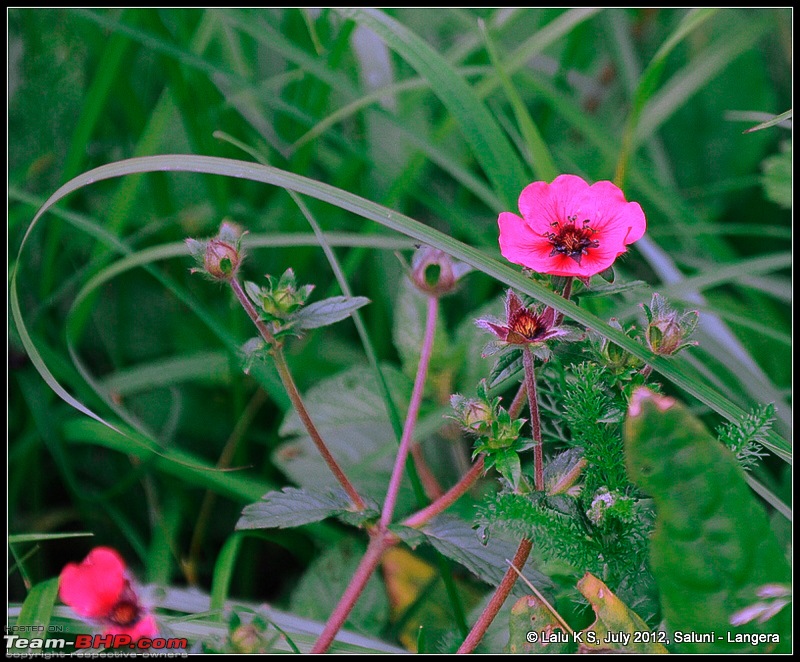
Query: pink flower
x=569 y=228
x=99 y=589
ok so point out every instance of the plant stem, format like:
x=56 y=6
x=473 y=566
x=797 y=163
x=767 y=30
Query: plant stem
x=452 y=495
x=252 y=313
x=413 y=412
x=566 y=293
x=497 y=600
x=377 y=546
x=533 y=403
x=518 y=401
x=294 y=396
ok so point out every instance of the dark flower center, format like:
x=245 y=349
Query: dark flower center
x=572 y=239
x=524 y=325
x=124 y=613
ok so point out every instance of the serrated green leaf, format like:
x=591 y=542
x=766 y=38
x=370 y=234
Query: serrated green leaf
x=328 y=311
x=712 y=547
x=507 y=366
x=457 y=540
x=295 y=507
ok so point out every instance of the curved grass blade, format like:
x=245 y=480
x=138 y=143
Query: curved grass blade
x=400 y=223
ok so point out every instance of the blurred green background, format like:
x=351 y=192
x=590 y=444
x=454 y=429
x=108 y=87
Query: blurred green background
x=87 y=87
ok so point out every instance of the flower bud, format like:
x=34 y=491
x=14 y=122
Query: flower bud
x=666 y=331
x=221 y=260
x=473 y=415
x=219 y=257
x=435 y=272
x=280 y=298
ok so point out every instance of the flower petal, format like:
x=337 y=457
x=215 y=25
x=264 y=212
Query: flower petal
x=521 y=245
x=616 y=221
x=542 y=204
x=93 y=587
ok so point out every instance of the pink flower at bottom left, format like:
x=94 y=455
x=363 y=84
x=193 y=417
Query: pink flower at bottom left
x=99 y=589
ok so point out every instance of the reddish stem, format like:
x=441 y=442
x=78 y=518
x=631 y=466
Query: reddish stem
x=497 y=600
x=295 y=397
x=413 y=412
x=533 y=403
x=448 y=498
x=377 y=546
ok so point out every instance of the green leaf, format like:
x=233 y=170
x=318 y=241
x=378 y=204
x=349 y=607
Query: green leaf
x=350 y=414
x=328 y=311
x=295 y=507
x=457 y=540
x=509 y=467
x=507 y=366
x=490 y=146
x=529 y=614
x=615 y=624
x=713 y=546
x=37 y=610
x=324 y=582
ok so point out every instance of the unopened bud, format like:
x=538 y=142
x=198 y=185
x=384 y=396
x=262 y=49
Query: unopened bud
x=435 y=272
x=667 y=331
x=218 y=257
x=221 y=260
x=474 y=415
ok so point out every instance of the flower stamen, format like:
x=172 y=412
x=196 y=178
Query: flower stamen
x=571 y=240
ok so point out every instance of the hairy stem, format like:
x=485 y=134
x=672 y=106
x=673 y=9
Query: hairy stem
x=497 y=600
x=413 y=413
x=536 y=426
x=518 y=401
x=294 y=396
x=377 y=546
